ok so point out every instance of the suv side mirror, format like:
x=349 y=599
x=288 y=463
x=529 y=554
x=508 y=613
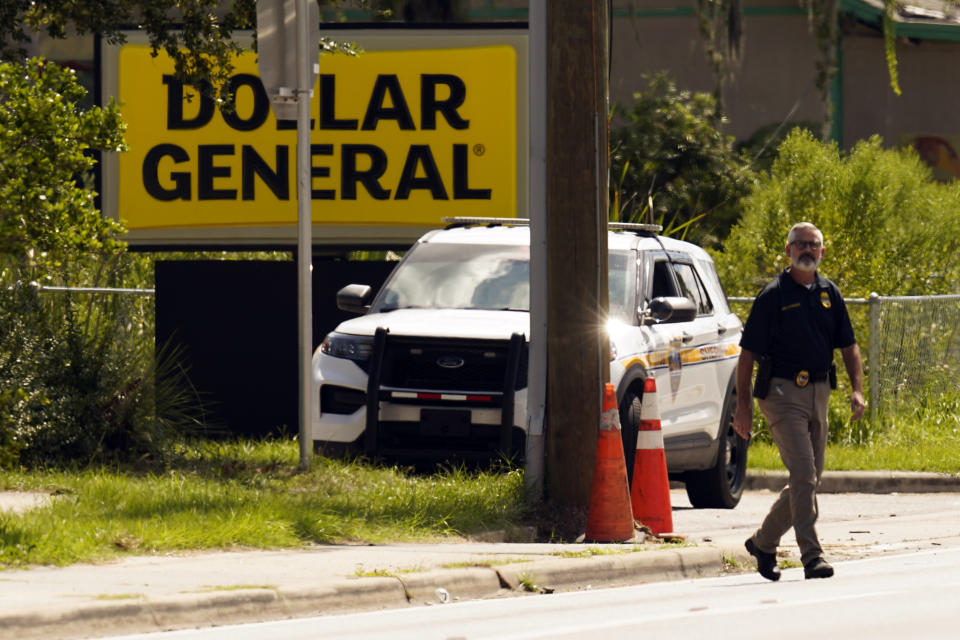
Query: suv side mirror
x=355 y=298
x=672 y=309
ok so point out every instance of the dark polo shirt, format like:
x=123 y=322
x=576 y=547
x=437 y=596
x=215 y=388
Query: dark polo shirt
x=798 y=328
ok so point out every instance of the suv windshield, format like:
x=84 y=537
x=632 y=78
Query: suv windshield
x=482 y=276
x=460 y=276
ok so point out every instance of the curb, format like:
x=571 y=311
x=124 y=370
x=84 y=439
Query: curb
x=615 y=570
x=862 y=482
x=435 y=587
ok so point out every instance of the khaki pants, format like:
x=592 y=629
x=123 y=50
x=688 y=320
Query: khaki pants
x=798 y=423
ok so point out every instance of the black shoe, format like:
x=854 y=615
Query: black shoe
x=766 y=562
x=817 y=568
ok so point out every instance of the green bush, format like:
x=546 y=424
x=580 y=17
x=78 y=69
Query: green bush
x=888 y=226
x=670 y=147
x=78 y=372
x=760 y=148
x=78 y=381
x=45 y=139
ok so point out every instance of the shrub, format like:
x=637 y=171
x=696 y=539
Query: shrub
x=671 y=148
x=888 y=225
x=45 y=139
x=78 y=372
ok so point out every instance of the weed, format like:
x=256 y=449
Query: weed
x=493 y=562
x=589 y=552
x=528 y=582
x=360 y=572
x=234 y=587
x=731 y=563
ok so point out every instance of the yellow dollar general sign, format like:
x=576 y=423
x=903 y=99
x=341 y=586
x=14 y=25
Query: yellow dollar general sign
x=399 y=138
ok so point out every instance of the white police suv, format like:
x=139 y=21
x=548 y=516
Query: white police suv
x=436 y=366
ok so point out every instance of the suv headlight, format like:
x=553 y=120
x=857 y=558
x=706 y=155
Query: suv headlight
x=341 y=345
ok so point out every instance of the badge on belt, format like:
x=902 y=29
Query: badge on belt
x=803 y=378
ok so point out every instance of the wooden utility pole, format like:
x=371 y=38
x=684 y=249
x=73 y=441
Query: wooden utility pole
x=576 y=198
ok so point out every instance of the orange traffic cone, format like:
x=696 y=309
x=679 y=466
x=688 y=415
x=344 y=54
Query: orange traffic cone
x=650 y=494
x=609 y=517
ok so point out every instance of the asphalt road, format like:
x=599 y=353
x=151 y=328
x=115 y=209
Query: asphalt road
x=850 y=525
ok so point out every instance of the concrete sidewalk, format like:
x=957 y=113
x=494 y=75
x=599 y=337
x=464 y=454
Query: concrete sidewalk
x=165 y=592
x=152 y=593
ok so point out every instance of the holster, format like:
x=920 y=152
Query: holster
x=761 y=385
x=833 y=375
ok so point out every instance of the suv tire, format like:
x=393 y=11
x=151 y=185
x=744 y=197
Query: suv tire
x=721 y=486
x=629 y=425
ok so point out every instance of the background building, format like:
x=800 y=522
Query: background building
x=774 y=78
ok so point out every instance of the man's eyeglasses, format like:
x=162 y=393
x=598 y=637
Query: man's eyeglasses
x=804 y=244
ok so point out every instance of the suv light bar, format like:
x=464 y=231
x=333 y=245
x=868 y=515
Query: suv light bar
x=523 y=222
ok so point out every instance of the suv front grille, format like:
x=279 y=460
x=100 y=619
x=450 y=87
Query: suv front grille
x=448 y=365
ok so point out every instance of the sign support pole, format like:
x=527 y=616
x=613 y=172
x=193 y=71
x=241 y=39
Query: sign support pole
x=304 y=231
x=537 y=378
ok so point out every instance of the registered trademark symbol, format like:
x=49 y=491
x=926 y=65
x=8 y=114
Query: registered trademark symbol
x=479 y=149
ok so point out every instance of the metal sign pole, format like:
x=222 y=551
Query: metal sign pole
x=304 y=230
x=537 y=378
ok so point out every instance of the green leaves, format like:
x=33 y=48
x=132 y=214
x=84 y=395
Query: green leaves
x=889 y=226
x=79 y=379
x=671 y=150
x=45 y=142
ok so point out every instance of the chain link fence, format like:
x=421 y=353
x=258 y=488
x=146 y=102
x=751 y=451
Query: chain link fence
x=910 y=346
x=911 y=351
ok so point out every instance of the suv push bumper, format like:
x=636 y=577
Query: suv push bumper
x=405 y=413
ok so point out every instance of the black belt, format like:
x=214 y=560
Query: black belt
x=803 y=377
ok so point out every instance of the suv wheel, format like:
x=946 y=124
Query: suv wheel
x=721 y=486
x=629 y=425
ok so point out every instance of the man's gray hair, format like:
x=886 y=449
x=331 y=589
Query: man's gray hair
x=803 y=225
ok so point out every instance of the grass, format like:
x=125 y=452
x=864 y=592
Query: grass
x=731 y=563
x=248 y=495
x=528 y=582
x=921 y=435
x=494 y=562
x=890 y=452
x=360 y=572
x=839 y=457
x=590 y=552
x=236 y=587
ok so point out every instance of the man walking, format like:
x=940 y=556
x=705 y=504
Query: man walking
x=795 y=323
